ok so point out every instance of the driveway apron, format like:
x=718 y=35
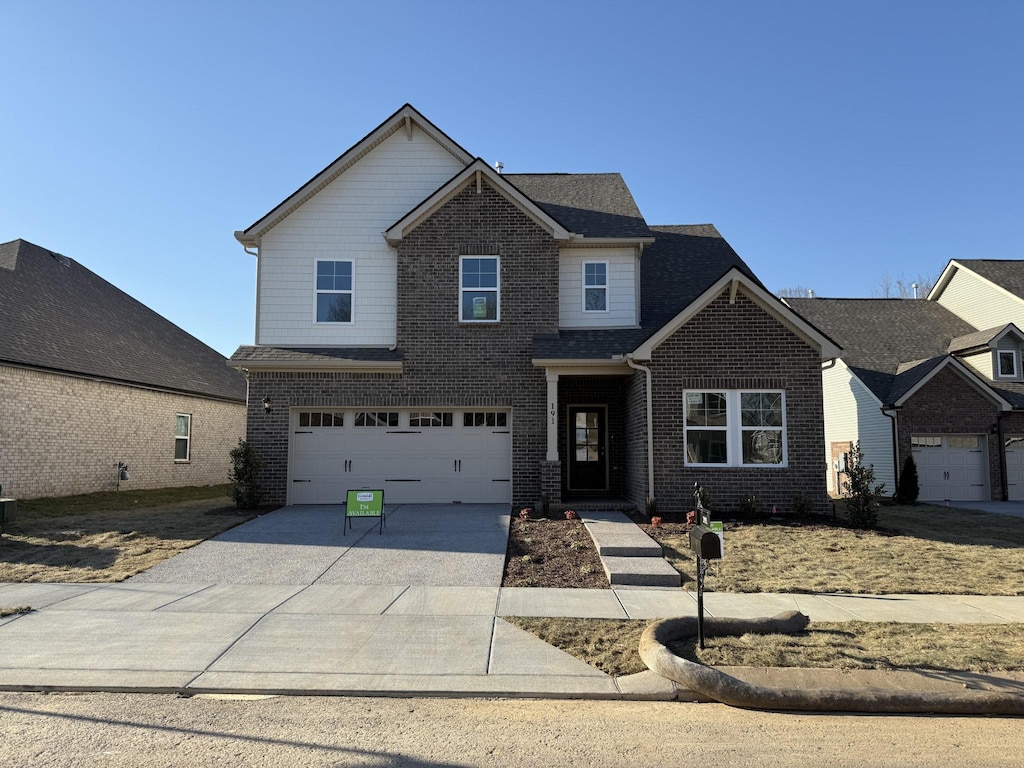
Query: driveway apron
x=421 y=545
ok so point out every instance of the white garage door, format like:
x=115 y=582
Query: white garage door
x=1015 y=467
x=421 y=456
x=951 y=467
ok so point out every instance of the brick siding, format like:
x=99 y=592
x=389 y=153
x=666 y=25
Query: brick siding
x=62 y=435
x=733 y=346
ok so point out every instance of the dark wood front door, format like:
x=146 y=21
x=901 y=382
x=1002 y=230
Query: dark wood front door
x=588 y=467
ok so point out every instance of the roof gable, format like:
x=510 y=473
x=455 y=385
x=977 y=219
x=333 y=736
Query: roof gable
x=1006 y=275
x=914 y=376
x=477 y=173
x=59 y=316
x=406 y=118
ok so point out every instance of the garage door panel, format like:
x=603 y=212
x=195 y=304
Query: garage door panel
x=951 y=467
x=429 y=464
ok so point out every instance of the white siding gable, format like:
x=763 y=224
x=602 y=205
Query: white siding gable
x=981 y=362
x=344 y=221
x=852 y=413
x=980 y=303
x=622 y=288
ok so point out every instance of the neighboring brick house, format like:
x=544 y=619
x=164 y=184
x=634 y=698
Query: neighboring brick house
x=938 y=378
x=90 y=378
x=430 y=326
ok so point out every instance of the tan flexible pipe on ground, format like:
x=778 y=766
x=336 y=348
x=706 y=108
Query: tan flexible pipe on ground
x=721 y=687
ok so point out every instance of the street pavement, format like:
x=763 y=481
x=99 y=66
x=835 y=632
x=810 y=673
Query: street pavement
x=359 y=617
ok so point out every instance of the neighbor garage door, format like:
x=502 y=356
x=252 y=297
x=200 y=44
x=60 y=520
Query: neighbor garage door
x=951 y=467
x=1015 y=467
x=421 y=456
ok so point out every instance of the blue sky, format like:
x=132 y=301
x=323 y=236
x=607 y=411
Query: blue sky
x=831 y=143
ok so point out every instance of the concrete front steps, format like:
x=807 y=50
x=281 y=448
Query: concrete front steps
x=630 y=557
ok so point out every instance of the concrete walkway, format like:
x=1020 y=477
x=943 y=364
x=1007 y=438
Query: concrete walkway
x=398 y=640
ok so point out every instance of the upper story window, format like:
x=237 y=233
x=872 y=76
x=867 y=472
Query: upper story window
x=480 y=289
x=333 y=291
x=1007 y=363
x=595 y=286
x=733 y=428
x=182 y=437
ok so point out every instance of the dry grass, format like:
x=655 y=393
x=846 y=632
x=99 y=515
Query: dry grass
x=109 y=537
x=611 y=645
x=920 y=549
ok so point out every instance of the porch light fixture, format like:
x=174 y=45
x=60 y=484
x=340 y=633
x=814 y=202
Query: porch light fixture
x=266 y=404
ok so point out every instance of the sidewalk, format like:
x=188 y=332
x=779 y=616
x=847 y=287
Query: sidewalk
x=399 y=640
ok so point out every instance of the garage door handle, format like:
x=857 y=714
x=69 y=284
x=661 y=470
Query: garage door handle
x=457 y=465
x=401 y=479
x=302 y=481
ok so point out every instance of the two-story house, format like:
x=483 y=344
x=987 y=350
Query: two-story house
x=428 y=325
x=940 y=379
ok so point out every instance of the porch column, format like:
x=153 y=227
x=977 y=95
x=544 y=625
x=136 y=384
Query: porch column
x=552 y=416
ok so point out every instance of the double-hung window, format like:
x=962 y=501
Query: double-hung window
x=333 y=291
x=182 y=437
x=595 y=286
x=735 y=428
x=479 y=289
x=1007 y=360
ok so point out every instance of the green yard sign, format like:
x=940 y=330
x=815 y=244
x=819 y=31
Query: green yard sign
x=364 y=503
x=718 y=527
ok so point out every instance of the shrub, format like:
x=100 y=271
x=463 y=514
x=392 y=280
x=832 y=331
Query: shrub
x=801 y=506
x=652 y=506
x=908 y=488
x=750 y=507
x=246 y=464
x=862 y=504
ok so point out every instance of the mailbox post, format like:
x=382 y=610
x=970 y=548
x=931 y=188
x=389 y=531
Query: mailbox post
x=706 y=545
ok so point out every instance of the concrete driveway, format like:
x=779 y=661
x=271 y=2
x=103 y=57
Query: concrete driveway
x=421 y=545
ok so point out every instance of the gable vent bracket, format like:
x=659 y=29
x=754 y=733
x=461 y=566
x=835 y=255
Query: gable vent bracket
x=478 y=183
x=733 y=287
x=408 y=128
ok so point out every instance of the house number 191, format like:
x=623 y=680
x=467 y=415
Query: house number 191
x=553 y=413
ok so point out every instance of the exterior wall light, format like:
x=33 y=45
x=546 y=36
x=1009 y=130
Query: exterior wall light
x=266 y=404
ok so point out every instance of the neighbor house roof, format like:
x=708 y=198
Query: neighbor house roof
x=594 y=205
x=682 y=263
x=1006 y=273
x=881 y=337
x=57 y=315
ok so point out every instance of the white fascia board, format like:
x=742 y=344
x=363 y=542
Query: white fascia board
x=1007 y=329
x=579 y=241
x=571 y=367
x=476 y=171
x=970 y=376
x=404 y=119
x=771 y=304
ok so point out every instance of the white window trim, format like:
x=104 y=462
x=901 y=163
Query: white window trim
x=496 y=289
x=607 y=302
x=187 y=438
x=351 y=292
x=734 y=429
x=999 y=369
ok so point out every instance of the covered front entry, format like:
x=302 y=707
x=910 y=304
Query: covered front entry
x=591 y=437
x=951 y=467
x=416 y=456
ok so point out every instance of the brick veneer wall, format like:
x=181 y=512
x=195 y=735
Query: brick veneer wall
x=635 y=486
x=949 y=405
x=447 y=363
x=62 y=435
x=733 y=346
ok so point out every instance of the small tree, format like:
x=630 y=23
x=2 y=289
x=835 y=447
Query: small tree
x=862 y=493
x=246 y=464
x=908 y=488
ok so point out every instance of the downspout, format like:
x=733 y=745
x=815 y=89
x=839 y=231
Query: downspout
x=895 y=442
x=650 y=424
x=1003 y=487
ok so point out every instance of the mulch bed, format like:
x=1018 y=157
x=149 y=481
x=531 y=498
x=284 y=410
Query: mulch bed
x=545 y=552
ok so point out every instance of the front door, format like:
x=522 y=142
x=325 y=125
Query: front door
x=588 y=468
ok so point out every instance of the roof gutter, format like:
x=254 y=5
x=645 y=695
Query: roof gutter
x=650 y=424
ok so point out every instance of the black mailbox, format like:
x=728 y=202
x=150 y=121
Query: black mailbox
x=705 y=543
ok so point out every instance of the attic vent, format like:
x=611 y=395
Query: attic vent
x=60 y=257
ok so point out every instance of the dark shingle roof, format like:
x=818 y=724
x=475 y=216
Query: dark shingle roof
x=316 y=355
x=878 y=335
x=1003 y=272
x=683 y=262
x=56 y=314
x=590 y=204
